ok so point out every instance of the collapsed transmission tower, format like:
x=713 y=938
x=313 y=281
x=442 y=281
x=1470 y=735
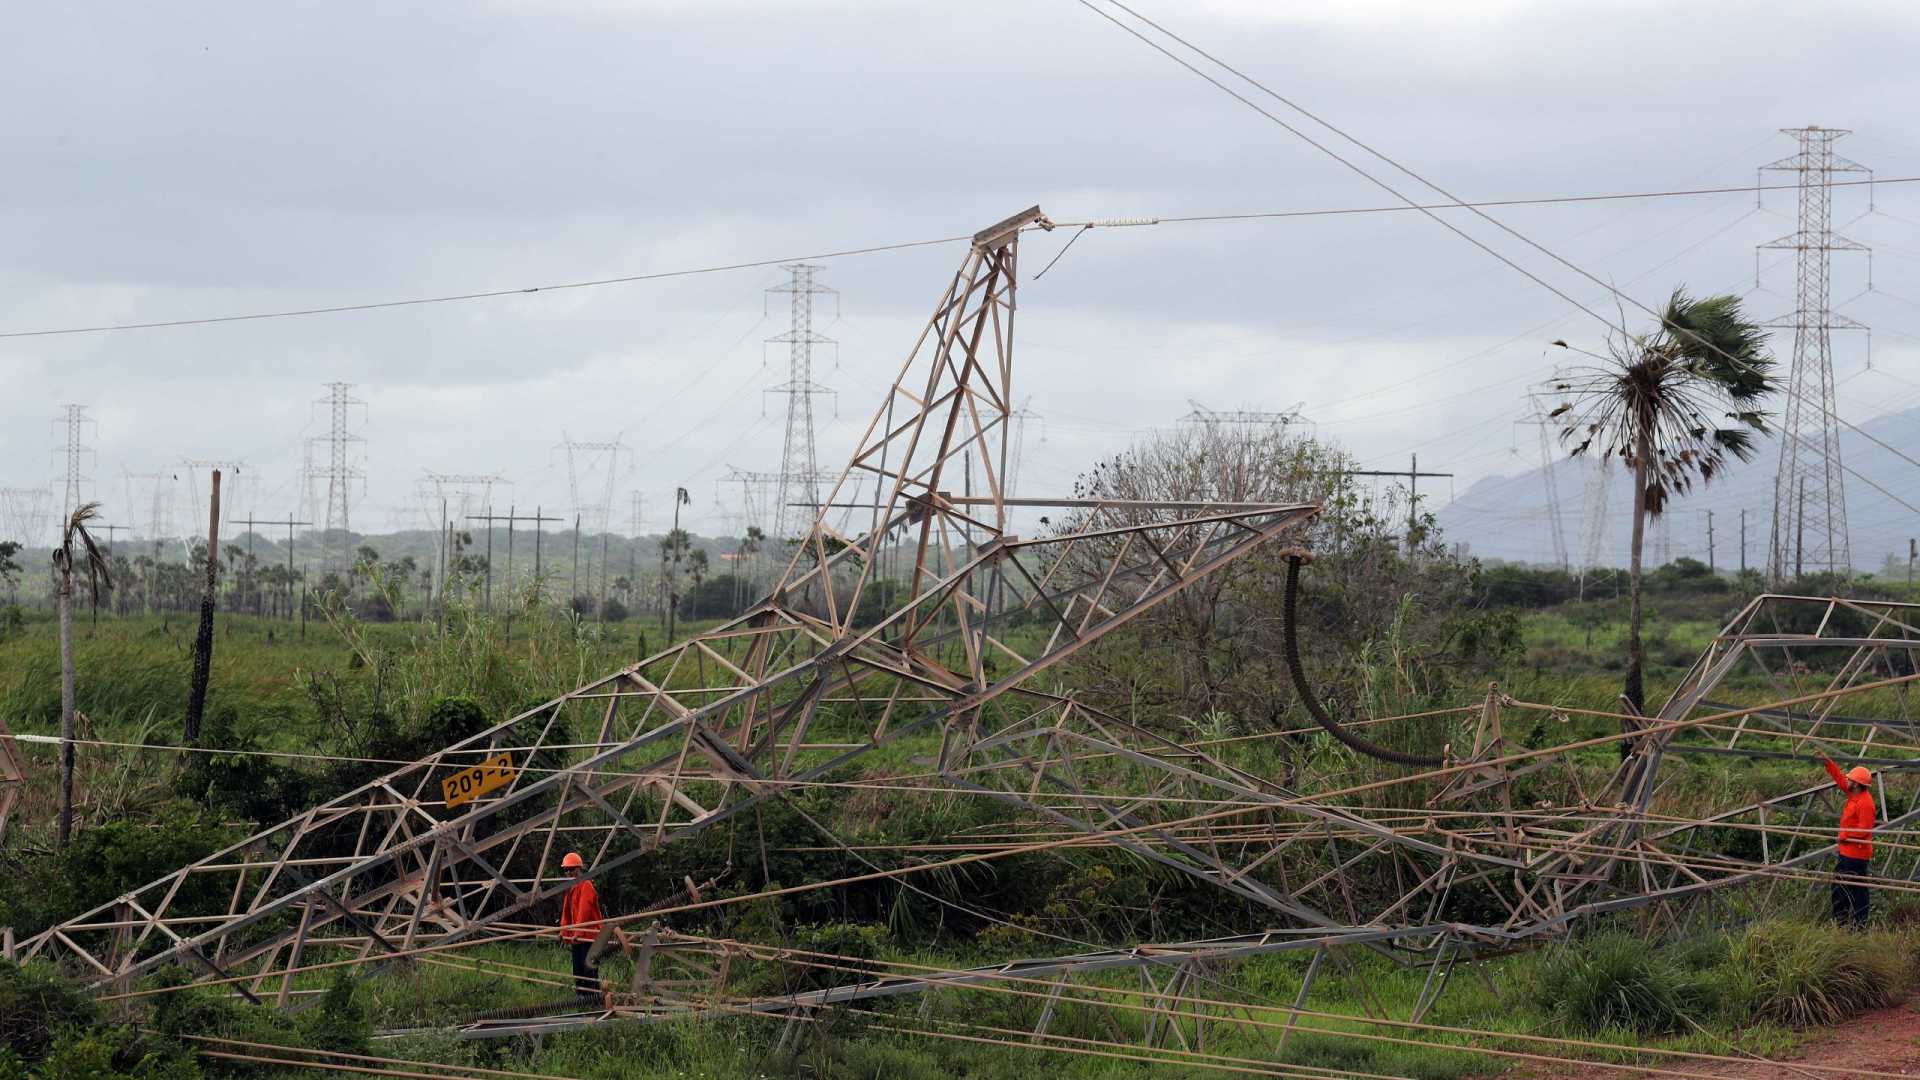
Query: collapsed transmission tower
x=340 y=471
x=798 y=493
x=458 y=848
x=1809 y=499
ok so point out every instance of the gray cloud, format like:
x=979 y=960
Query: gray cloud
x=259 y=157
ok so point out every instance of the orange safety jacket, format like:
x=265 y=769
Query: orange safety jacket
x=1856 y=820
x=580 y=913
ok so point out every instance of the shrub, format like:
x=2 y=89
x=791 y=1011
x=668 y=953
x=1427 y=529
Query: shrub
x=1614 y=980
x=115 y=1054
x=110 y=860
x=1804 y=975
x=35 y=1005
x=340 y=1022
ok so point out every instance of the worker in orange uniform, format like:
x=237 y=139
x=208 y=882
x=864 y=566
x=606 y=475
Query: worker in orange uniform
x=1855 y=849
x=580 y=918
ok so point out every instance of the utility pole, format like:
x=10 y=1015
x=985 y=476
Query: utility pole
x=248 y=581
x=1743 y=543
x=1412 y=475
x=1913 y=552
x=303 y=615
x=1809 y=426
x=1710 y=566
x=573 y=585
x=798 y=465
x=511 y=517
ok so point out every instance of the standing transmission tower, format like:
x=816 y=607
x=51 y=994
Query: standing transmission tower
x=24 y=513
x=1243 y=417
x=237 y=484
x=1556 y=526
x=1809 y=501
x=1019 y=417
x=156 y=508
x=1593 y=519
x=592 y=501
x=340 y=471
x=594 y=504
x=798 y=497
x=76 y=459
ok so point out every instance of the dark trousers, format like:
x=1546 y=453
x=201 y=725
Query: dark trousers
x=1850 y=897
x=586 y=977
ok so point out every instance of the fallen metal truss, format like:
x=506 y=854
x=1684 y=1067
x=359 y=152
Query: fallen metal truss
x=840 y=660
x=1483 y=863
x=834 y=663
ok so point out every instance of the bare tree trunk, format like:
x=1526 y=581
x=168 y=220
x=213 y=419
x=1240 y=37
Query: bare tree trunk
x=1636 y=691
x=203 y=641
x=63 y=599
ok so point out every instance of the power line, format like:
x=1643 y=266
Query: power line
x=1369 y=177
x=628 y=279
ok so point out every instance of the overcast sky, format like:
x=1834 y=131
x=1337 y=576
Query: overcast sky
x=170 y=161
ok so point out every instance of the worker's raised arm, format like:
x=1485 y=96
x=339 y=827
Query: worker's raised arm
x=1839 y=778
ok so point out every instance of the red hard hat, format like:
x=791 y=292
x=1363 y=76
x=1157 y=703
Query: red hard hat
x=1859 y=775
x=572 y=861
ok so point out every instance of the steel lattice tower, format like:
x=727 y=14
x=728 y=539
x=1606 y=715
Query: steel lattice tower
x=797 y=498
x=1809 y=499
x=340 y=470
x=73 y=473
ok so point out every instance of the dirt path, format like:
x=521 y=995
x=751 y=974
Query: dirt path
x=1887 y=1041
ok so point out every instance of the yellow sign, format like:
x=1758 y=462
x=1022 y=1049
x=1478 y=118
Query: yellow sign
x=469 y=784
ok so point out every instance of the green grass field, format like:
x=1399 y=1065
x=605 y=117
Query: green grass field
x=291 y=694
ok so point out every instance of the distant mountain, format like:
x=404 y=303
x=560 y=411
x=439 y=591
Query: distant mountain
x=1507 y=517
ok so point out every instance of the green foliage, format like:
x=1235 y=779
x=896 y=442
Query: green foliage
x=36 y=1005
x=1802 y=975
x=1615 y=980
x=109 y=860
x=720 y=597
x=115 y=1054
x=339 y=1022
x=240 y=783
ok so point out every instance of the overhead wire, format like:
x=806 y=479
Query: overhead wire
x=751 y=264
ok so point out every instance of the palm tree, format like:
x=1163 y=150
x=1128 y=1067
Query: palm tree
x=94 y=565
x=1672 y=405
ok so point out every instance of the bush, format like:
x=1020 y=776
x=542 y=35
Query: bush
x=115 y=1054
x=1614 y=980
x=35 y=1005
x=1805 y=975
x=340 y=1022
x=106 y=861
x=242 y=784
